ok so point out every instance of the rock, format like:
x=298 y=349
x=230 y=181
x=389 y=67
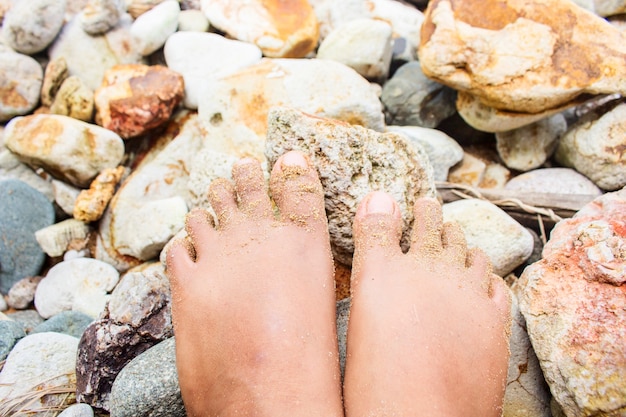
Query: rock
x=81 y=50
x=506 y=242
x=364 y=45
x=138 y=7
x=151 y=29
x=443 y=151
x=522 y=56
x=77 y=410
x=134 y=99
x=281 y=30
x=202 y=56
x=10 y=332
x=29 y=27
x=65 y=196
x=111 y=343
x=100 y=16
x=580 y=336
x=609 y=8
x=595 y=148
x=412 y=99
x=352 y=161
x=74 y=99
x=41 y=363
x=208 y=166
x=148 y=385
x=56 y=72
x=69 y=149
x=20 y=82
x=72 y=323
x=79 y=284
x=553 y=181
x=90 y=204
x=192 y=21
x=530 y=146
x=478 y=170
x=23 y=210
x=12 y=168
x=22 y=293
x=55 y=239
x=29 y=319
x=3 y=304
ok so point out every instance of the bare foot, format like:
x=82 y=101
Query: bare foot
x=253 y=298
x=428 y=330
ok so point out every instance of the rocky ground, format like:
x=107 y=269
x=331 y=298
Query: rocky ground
x=116 y=115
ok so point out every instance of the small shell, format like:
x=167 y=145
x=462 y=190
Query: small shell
x=55 y=239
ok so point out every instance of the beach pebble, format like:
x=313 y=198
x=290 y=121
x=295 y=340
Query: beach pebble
x=65 y=196
x=77 y=410
x=553 y=181
x=22 y=293
x=56 y=72
x=3 y=304
x=151 y=29
x=486 y=226
x=29 y=319
x=21 y=78
x=477 y=170
x=23 y=210
x=90 y=204
x=12 y=168
x=57 y=144
x=10 y=332
x=30 y=26
x=192 y=21
x=100 y=16
x=39 y=362
x=74 y=99
x=55 y=239
x=80 y=284
x=72 y=323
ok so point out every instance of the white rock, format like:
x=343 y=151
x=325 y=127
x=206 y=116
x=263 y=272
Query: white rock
x=506 y=242
x=100 y=16
x=151 y=29
x=443 y=151
x=79 y=284
x=39 y=362
x=65 y=196
x=21 y=78
x=553 y=181
x=77 y=410
x=364 y=45
x=30 y=26
x=199 y=57
x=192 y=21
x=55 y=239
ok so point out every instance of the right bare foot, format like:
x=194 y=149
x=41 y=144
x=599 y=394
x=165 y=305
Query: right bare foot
x=428 y=330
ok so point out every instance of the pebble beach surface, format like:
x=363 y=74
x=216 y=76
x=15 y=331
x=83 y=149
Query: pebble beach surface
x=115 y=116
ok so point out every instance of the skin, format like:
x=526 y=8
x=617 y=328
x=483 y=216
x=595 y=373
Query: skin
x=254 y=309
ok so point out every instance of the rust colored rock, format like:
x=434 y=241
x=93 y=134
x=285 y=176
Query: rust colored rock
x=134 y=98
x=520 y=55
x=91 y=203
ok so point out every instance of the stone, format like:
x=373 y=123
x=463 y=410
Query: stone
x=29 y=319
x=3 y=304
x=281 y=30
x=29 y=27
x=20 y=83
x=192 y=21
x=10 y=332
x=80 y=284
x=90 y=204
x=553 y=181
x=412 y=99
x=69 y=149
x=134 y=99
x=56 y=72
x=77 y=410
x=55 y=239
x=12 y=168
x=151 y=29
x=100 y=16
x=22 y=293
x=609 y=8
x=65 y=196
x=148 y=385
x=443 y=151
x=364 y=45
x=206 y=167
x=138 y=7
x=72 y=323
x=202 y=56
x=74 y=99
x=580 y=336
x=23 y=210
x=530 y=146
x=479 y=169
x=352 y=161
x=506 y=243
x=595 y=148
x=40 y=363
x=522 y=56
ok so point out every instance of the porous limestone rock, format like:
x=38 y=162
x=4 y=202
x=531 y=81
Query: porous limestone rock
x=90 y=204
x=55 y=239
x=73 y=99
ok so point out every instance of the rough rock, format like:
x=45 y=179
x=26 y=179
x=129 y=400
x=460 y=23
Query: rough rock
x=280 y=29
x=523 y=56
x=10 y=332
x=506 y=242
x=151 y=29
x=67 y=148
x=55 y=239
x=38 y=363
x=77 y=410
x=202 y=56
x=530 y=146
x=56 y=72
x=72 y=323
x=553 y=181
x=596 y=148
x=74 y=99
x=100 y=16
x=412 y=99
x=20 y=83
x=22 y=293
x=580 y=336
x=364 y=45
x=80 y=284
x=206 y=167
x=352 y=161
x=30 y=26
x=90 y=204
x=23 y=210
x=134 y=99
x=192 y=21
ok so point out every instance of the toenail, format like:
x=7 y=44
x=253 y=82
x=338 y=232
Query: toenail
x=293 y=158
x=380 y=202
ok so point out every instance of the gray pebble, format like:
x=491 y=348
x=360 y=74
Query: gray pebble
x=10 y=332
x=77 y=410
x=73 y=323
x=30 y=26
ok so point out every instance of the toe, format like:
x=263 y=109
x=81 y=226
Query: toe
x=500 y=294
x=297 y=191
x=453 y=242
x=426 y=237
x=179 y=262
x=223 y=201
x=250 y=185
x=199 y=227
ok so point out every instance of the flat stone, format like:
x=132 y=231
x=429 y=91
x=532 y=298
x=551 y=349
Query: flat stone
x=72 y=323
x=151 y=29
x=553 y=181
x=22 y=293
x=29 y=27
x=100 y=16
x=20 y=83
x=10 y=332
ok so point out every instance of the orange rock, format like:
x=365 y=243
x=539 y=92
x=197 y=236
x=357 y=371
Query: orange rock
x=134 y=98
x=91 y=203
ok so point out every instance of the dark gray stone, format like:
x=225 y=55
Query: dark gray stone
x=343 y=312
x=10 y=332
x=29 y=319
x=73 y=323
x=23 y=211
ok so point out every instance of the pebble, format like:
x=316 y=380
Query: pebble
x=77 y=410
x=476 y=170
x=90 y=204
x=30 y=26
x=56 y=72
x=10 y=332
x=100 y=16
x=3 y=304
x=72 y=323
x=74 y=99
x=553 y=181
x=21 y=78
x=55 y=239
x=152 y=28
x=12 y=168
x=22 y=293
x=65 y=196
x=192 y=21
x=29 y=319
x=23 y=210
